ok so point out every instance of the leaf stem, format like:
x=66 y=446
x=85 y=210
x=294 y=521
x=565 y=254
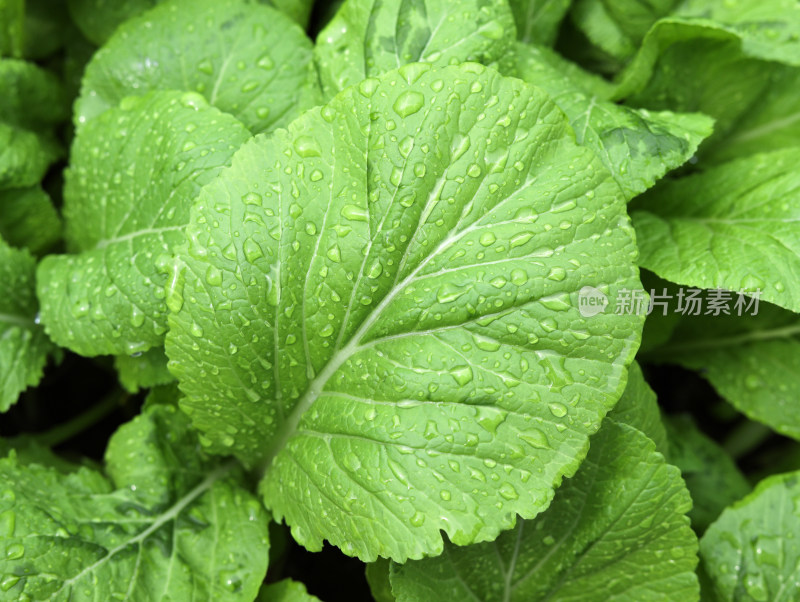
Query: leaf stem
x=66 y=431
x=746 y=437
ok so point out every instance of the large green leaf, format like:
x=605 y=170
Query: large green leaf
x=712 y=477
x=285 y=591
x=166 y=524
x=32 y=98
x=369 y=37
x=394 y=334
x=752 y=552
x=752 y=361
x=12 y=19
x=636 y=145
x=127 y=200
x=246 y=59
x=619 y=26
x=98 y=19
x=23 y=344
x=28 y=219
x=617 y=530
x=732 y=227
x=538 y=20
x=24 y=156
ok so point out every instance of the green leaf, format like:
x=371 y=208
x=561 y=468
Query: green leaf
x=24 y=156
x=165 y=524
x=377 y=574
x=615 y=531
x=127 y=200
x=98 y=19
x=143 y=371
x=619 y=26
x=395 y=336
x=636 y=145
x=32 y=97
x=638 y=407
x=12 y=19
x=713 y=479
x=23 y=345
x=732 y=227
x=752 y=361
x=246 y=59
x=538 y=20
x=28 y=219
x=285 y=591
x=369 y=37
x=751 y=552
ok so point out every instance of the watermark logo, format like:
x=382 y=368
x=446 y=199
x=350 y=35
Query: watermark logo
x=591 y=301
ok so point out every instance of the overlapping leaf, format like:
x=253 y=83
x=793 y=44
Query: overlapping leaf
x=369 y=37
x=387 y=298
x=751 y=552
x=247 y=59
x=127 y=200
x=538 y=20
x=23 y=345
x=636 y=145
x=615 y=531
x=166 y=524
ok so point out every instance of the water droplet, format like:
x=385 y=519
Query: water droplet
x=213 y=276
x=445 y=495
x=15 y=551
x=306 y=147
x=487 y=238
x=137 y=317
x=519 y=277
x=417 y=520
x=196 y=330
x=375 y=270
x=520 y=239
x=265 y=62
x=508 y=492
x=316 y=175
x=559 y=410
x=8 y=581
x=354 y=213
x=334 y=254
x=448 y=293
x=408 y=103
x=252 y=250
x=326 y=330
x=8 y=523
x=752 y=382
x=536 y=438
x=557 y=273
x=206 y=67
x=474 y=171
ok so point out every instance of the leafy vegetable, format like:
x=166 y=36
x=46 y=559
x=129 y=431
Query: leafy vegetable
x=123 y=214
x=143 y=532
x=748 y=552
x=362 y=278
x=607 y=532
x=246 y=59
x=354 y=261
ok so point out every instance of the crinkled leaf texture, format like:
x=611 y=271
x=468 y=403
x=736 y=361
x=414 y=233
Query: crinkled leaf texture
x=126 y=202
x=23 y=345
x=247 y=59
x=752 y=551
x=369 y=37
x=636 y=145
x=732 y=227
x=381 y=309
x=166 y=524
x=617 y=530
x=752 y=361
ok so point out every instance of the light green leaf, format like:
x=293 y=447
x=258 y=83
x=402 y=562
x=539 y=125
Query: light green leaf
x=23 y=345
x=127 y=200
x=369 y=37
x=298 y=10
x=713 y=479
x=395 y=334
x=285 y=591
x=636 y=145
x=752 y=361
x=24 y=156
x=538 y=20
x=752 y=551
x=246 y=59
x=12 y=19
x=615 y=531
x=732 y=227
x=638 y=407
x=618 y=26
x=166 y=524
x=28 y=219
x=143 y=371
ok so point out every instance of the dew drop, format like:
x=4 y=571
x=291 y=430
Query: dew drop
x=408 y=103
